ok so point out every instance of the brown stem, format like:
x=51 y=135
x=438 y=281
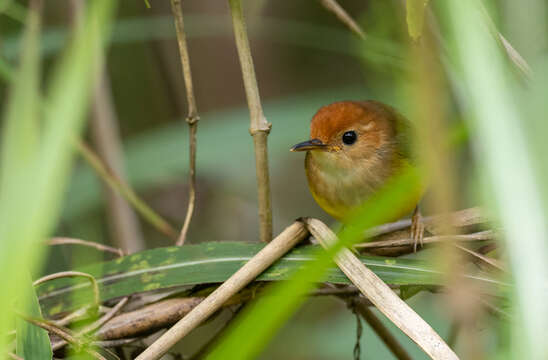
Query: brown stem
x=384 y=334
x=192 y=118
x=259 y=127
x=342 y=15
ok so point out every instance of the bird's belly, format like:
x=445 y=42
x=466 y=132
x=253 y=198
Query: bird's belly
x=339 y=193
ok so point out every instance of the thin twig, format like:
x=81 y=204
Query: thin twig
x=383 y=297
x=106 y=174
x=259 y=126
x=95 y=325
x=63 y=274
x=493 y=262
x=92 y=244
x=192 y=118
x=342 y=15
x=256 y=265
x=407 y=241
x=382 y=331
x=114 y=343
x=208 y=345
x=63 y=334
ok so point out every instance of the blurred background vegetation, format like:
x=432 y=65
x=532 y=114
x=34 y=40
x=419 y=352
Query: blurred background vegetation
x=304 y=58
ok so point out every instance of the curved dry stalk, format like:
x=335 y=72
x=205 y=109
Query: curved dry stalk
x=259 y=127
x=63 y=274
x=72 y=241
x=342 y=15
x=372 y=287
x=192 y=118
x=124 y=190
x=284 y=242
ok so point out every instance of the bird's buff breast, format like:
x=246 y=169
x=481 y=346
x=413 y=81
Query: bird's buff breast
x=340 y=187
x=337 y=187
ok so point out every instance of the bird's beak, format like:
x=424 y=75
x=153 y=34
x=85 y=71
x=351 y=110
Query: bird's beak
x=314 y=144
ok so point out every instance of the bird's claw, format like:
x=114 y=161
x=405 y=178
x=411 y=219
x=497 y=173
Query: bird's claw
x=417 y=230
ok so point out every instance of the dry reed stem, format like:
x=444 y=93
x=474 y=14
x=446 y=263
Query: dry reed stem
x=106 y=174
x=192 y=118
x=456 y=219
x=342 y=15
x=63 y=274
x=255 y=266
x=407 y=241
x=383 y=297
x=384 y=334
x=259 y=126
x=72 y=241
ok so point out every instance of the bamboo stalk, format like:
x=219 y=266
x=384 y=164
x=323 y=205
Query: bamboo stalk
x=260 y=262
x=191 y=119
x=259 y=126
x=372 y=287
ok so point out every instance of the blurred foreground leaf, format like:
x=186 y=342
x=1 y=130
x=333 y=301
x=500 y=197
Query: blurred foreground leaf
x=34 y=175
x=214 y=262
x=32 y=341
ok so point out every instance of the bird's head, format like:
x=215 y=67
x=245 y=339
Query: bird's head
x=351 y=130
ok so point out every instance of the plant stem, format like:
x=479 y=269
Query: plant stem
x=192 y=118
x=259 y=126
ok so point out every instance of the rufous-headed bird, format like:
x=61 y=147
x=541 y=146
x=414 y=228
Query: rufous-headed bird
x=354 y=148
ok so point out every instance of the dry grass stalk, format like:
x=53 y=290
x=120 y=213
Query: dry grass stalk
x=192 y=118
x=383 y=297
x=259 y=126
x=72 y=241
x=106 y=174
x=342 y=15
x=261 y=261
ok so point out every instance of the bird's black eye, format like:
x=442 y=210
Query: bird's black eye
x=349 y=137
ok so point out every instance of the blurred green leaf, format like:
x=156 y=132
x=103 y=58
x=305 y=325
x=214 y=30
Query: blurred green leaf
x=32 y=341
x=214 y=262
x=499 y=117
x=33 y=183
x=415 y=17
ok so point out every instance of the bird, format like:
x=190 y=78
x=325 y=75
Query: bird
x=354 y=148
